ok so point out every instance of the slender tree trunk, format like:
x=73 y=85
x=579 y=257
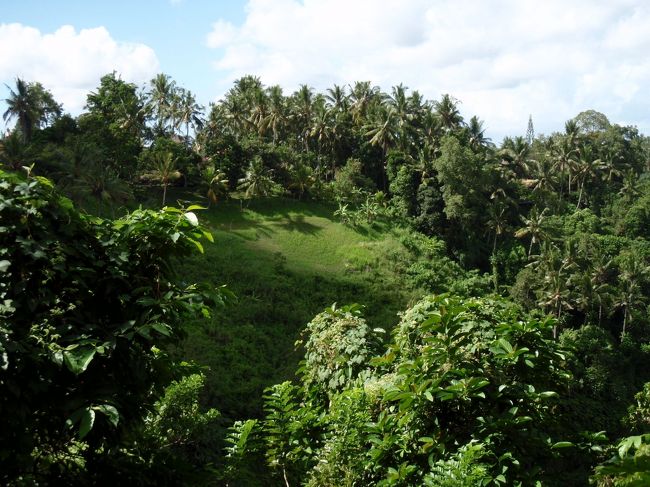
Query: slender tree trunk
x=164 y=194
x=600 y=313
x=624 y=323
x=582 y=187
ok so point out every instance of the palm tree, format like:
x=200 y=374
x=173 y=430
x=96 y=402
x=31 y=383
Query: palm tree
x=322 y=131
x=13 y=151
x=303 y=109
x=160 y=100
x=564 y=153
x=258 y=112
x=383 y=133
x=400 y=103
x=189 y=112
x=302 y=179
x=515 y=154
x=630 y=293
x=477 y=138
x=588 y=168
x=534 y=228
x=555 y=295
x=216 y=182
x=544 y=177
x=256 y=181
x=164 y=171
x=102 y=183
x=630 y=188
x=497 y=222
x=276 y=118
x=337 y=98
x=447 y=110
x=361 y=95
x=32 y=105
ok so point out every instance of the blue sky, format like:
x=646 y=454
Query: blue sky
x=502 y=59
x=175 y=30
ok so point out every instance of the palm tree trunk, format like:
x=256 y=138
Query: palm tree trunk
x=582 y=187
x=164 y=194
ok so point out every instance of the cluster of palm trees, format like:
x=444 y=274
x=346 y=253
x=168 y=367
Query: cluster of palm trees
x=172 y=107
x=336 y=124
x=580 y=277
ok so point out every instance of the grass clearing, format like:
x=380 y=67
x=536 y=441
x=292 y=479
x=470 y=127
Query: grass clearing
x=286 y=261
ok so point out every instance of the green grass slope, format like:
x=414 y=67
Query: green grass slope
x=286 y=261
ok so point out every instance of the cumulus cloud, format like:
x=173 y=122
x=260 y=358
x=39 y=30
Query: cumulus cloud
x=70 y=63
x=503 y=59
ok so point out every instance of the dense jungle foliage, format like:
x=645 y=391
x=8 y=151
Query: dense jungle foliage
x=350 y=288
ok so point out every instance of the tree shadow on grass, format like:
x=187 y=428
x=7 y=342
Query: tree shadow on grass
x=297 y=223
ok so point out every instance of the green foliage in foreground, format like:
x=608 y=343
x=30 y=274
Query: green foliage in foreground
x=86 y=308
x=466 y=390
x=287 y=261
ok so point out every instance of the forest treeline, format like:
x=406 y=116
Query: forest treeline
x=534 y=369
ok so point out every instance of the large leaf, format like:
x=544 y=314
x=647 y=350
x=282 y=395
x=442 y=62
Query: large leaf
x=110 y=412
x=77 y=359
x=86 y=423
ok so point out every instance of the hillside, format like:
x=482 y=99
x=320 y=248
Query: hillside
x=285 y=261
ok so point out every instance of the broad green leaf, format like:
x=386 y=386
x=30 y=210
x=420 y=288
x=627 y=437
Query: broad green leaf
x=208 y=236
x=195 y=207
x=4 y=265
x=547 y=394
x=110 y=412
x=162 y=328
x=86 y=423
x=197 y=243
x=78 y=359
x=191 y=217
x=562 y=444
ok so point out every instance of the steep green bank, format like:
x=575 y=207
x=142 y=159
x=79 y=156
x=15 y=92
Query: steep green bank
x=285 y=261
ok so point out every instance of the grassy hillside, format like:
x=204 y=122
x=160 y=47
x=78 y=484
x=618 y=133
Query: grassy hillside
x=286 y=261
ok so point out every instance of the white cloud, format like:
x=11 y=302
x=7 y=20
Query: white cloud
x=71 y=63
x=503 y=59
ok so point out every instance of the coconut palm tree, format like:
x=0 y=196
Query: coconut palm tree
x=31 y=105
x=302 y=108
x=13 y=151
x=302 y=179
x=565 y=156
x=164 y=171
x=362 y=95
x=515 y=154
x=276 y=118
x=257 y=180
x=447 y=111
x=160 y=99
x=189 y=113
x=337 y=98
x=477 y=138
x=102 y=183
x=216 y=182
x=384 y=132
x=634 y=273
x=588 y=168
x=533 y=228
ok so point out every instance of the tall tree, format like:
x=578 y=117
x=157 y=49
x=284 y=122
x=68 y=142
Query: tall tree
x=32 y=105
x=447 y=110
x=160 y=98
x=190 y=113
